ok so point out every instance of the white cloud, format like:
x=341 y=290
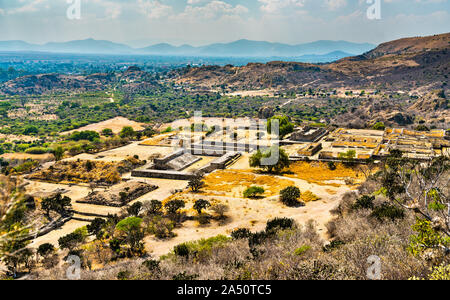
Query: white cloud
x=29 y=6
x=275 y=6
x=335 y=4
x=154 y=9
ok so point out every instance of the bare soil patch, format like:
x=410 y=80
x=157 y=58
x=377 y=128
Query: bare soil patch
x=115 y=124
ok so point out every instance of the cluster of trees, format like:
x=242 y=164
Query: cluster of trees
x=283 y=123
x=273 y=160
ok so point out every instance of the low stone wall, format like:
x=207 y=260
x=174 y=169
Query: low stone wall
x=209 y=148
x=160 y=174
x=220 y=163
x=161 y=162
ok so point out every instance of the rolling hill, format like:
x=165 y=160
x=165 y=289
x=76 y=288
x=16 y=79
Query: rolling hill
x=402 y=64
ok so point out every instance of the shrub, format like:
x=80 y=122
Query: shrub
x=388 y=211
x=127 y=132
x=107 y=132
x=84 y=135
x=161 y=227
x=279 y=223
x=290 y=195
x=364 y=202
x=253 y=192
x=134 y=209
x=241 y=233
x=123 y=275
x=436 y=206
x=333 y=245
x=331 y=166
x=426 y=237
x=202 y=247
x=181 y=250
x=45 y=249
x=220 y=210
x=37 y=150
x=422 y=128
x=300 y=251
x=30 y=130
x=257 y=238
x=152 y=265
x=185 y=277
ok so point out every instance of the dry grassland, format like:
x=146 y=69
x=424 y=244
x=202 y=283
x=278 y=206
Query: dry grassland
x=319 y=173
x=233 y=183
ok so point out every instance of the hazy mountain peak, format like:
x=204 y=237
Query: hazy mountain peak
x=238 y=48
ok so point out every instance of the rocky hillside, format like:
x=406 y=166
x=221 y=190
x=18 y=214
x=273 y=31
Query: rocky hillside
x=431 y=107
x=53 y=83
x=404 y=64
x=411 y=45
x=131 y=81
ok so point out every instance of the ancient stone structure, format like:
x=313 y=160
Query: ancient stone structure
x=308 y=134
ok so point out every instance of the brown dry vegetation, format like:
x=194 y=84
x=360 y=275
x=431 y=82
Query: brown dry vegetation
x=319 y=173
x=86 y=171
x=294 y=254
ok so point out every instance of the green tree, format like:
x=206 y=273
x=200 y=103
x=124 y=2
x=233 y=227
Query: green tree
x=31 y=130
x=107 y=132
x=426 y=238
x=173 y=206
x=134 y=233
x=71 y=240
x=285 y=126
x=10 y=251
x=273 y=160
x=96 y=226
x=153 y=207
x=127 y=132
x=200 y=205
x=379 y=126
x=134 y=209
x=196 y=183
x=57 y=203
x=348 y=157
x=58 y=152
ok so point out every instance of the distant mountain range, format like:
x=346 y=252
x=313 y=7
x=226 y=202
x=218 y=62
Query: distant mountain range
x=240 y=48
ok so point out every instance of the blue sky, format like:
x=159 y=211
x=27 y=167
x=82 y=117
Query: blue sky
x=199 y=22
